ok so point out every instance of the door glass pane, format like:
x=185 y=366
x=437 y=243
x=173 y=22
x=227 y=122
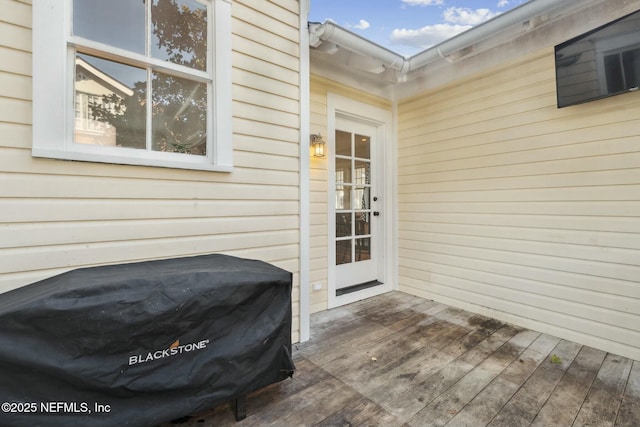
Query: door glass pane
x=110 y=101
x=179 y=115
x=343 y=197
x=363 y=249
x=362 y=198
x=343 y=143
x=343 y=252
x=362 y=223
x=362 y=172
x=119 y=23
x=353 y=199
x=179 y=32
x=363 y=146
x=343 y=171
x=343 y=224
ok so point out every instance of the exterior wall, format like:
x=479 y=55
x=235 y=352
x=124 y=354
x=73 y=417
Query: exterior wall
x=511 y=207
x=60 y=215
x=319 y=209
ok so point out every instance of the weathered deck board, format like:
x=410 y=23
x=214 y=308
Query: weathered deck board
x=526 y=403
x=400 y=361
x=451 y=401
x=484 y=407
x=600 y=408
x=629 y=414
x=564 y=403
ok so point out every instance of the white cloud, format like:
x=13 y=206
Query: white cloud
x=465 y=16
x=424 y=2
x=362 y=25
x=456 y=20
x=428 y=36
x=503 y=3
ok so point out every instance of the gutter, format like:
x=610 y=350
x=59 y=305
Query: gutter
x=333 y=33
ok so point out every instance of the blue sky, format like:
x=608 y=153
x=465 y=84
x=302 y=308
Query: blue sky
x=408 y=26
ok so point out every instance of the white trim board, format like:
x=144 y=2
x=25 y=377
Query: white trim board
x=305 y=176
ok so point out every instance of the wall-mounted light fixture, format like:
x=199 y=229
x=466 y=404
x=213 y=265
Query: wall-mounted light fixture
x=317 y=145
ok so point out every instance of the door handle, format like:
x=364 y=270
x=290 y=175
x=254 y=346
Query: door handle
x=376 y=213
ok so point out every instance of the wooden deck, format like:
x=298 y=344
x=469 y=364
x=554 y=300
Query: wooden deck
x=398 y=360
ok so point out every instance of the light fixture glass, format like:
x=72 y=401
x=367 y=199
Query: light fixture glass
x=317 y=145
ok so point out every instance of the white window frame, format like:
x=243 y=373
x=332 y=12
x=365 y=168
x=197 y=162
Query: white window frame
x=53 y=96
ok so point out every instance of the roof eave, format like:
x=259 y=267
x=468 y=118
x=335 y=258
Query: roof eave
x=449 y=50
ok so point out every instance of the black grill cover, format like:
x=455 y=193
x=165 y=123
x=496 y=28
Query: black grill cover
x=139 y=344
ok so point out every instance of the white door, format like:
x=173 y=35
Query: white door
x=357 y=216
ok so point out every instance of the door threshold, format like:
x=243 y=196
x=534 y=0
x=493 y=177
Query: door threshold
x=358 y=287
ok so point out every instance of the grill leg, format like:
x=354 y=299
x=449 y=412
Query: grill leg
x=240 y=408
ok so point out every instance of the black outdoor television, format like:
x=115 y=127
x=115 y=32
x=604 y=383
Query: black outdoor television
x=601 y=63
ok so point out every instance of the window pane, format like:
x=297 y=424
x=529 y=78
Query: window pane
x=343 y=143
x=343 y=197
x=179 y=32
x=343 y=171
x=110 y=101
x=362 y=223
x=363 y=144
x=119 y=23
x=343 y=224
x=362 y=172
x=343 y=252
x=179 y=115
x=362 y=198
x=363 y=249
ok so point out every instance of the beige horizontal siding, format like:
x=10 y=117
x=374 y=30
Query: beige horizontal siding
x=15 y=61
x=16 y=13
x=15 y=86
x=58 y=215
x=318 y=198
x=514 y=208
x=319 y=207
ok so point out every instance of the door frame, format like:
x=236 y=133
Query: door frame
x=382 y=120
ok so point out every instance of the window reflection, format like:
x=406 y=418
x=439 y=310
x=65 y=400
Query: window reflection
x=622 y=70
x=114 y=101
x=108 y=111
x=600 y=63
x=113 y=22
x=179 y=32
x=179 y=115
